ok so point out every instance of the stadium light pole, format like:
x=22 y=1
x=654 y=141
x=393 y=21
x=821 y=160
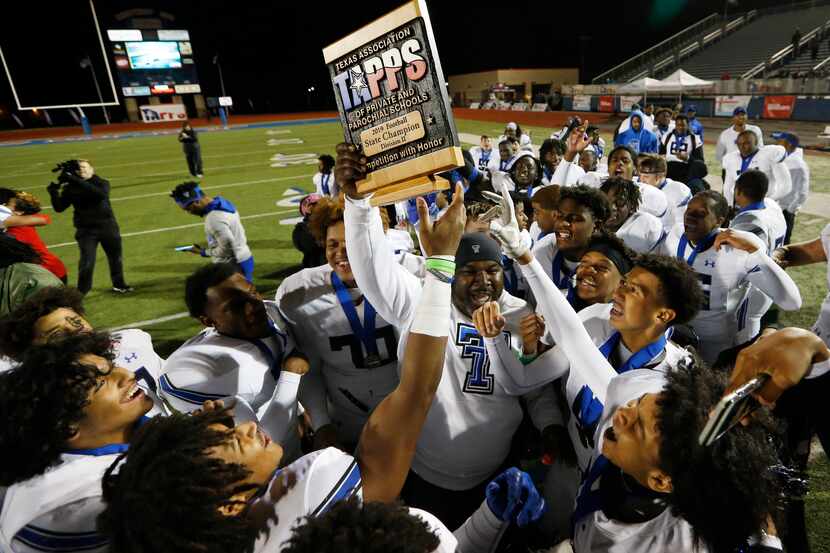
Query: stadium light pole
x=87 y=62
x=219 y=67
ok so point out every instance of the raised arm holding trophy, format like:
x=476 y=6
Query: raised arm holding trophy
x=393 y=104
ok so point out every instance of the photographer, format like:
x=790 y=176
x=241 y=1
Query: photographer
x=78 y=186
x=192 y=150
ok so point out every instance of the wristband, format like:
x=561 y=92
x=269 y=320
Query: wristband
x=432 y=316
x=441 y=264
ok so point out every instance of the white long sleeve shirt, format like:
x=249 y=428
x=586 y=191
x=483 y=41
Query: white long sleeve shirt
x=800 y=176
x=226 y=240
x=475 y=412
x=596 y=391
x=724 y=275
x=727 y=141
x=770 y=160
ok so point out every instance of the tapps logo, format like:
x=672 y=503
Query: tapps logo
x=361 y=83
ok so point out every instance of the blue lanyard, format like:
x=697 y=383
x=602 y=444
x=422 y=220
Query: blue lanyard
x=590 y=500
x=548 y=174
x=273 y=362
x=750 y=207
x=639 y=359
x=561 y=276
x=325 y=181
x=510 y=277
x=702 y=246
x=485 y=156
x=745 y=161
x=365 y=333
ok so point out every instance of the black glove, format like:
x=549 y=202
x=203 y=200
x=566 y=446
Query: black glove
x=54 y=187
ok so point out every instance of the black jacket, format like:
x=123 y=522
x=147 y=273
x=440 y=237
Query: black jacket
x=90 y=198
x=189 y=139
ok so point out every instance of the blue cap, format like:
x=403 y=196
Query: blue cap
x=739 y=109
x=187 y=197
x=691 y=107
x=788 y=136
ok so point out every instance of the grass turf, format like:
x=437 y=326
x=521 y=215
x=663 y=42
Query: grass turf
x=238 y=165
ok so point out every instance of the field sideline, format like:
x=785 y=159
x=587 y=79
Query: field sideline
x=264 y=172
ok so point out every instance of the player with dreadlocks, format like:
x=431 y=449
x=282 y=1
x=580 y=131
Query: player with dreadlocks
x=67 y=413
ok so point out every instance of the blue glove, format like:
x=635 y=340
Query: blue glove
x=512 y=497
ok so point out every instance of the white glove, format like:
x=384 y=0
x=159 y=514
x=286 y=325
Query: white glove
x=506 y=227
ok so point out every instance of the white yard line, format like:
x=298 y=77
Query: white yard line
x=151 y=322
x=230 y=185
x=178 y=227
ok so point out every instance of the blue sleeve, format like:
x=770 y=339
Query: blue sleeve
x=654 y=145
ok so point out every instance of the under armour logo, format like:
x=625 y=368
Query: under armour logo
x=708 y=263
x=131 y=357
x=476 y=247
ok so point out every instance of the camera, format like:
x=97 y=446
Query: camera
x=66 y=168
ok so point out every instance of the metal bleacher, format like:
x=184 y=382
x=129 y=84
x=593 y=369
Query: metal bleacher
x=744 y=46
x=804 y=63
x=755 y=43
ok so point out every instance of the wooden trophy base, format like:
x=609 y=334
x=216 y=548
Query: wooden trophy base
x=404 y=190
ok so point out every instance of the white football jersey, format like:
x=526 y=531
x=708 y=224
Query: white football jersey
x=724 y=276
x=354 y=384
x=678 y=196
x=482 y=157
x=800 y=177
x=642 y=232
x=56 y=511
x=675 y=145
x=325 y=477
x=325 y=185
x=770 y=160
x=727 y=142
x=469 y=427
x=652 y=200
x=211 y=366
x=766 y=221
x=822 y=324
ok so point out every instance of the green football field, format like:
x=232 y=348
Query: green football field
x=264 y=172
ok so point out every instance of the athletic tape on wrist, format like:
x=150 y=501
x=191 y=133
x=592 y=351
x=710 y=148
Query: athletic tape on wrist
x=432 y=316
x=443 y=269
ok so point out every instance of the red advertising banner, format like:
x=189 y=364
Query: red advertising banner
x=606 y=104
x=778 y=107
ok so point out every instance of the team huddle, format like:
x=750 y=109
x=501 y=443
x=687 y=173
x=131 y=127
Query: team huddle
x=524 y=362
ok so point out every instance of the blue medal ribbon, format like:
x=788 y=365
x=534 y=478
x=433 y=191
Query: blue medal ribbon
x=589 y=500
x=561 y=276
x=702 y=246
x=365 y=332
x=324 y=180
x=750 y=207
x=640 y=358
x=548 y=174
x=510 y=278
x=745 y=161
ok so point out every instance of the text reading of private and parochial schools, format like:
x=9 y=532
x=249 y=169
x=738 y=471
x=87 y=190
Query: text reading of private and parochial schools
x=381 y=44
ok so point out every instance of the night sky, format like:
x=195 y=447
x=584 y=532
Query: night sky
x=271 y=51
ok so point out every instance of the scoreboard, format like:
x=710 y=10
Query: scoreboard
x=153 y=62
